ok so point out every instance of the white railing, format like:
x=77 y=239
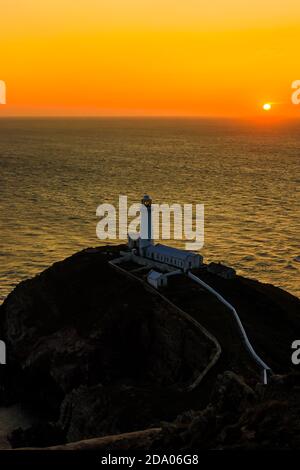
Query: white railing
x=265 y=368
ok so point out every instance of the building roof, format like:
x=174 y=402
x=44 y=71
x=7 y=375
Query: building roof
x=170 y=251
x=154 y=275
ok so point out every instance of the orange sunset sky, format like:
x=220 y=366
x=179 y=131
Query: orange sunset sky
x=149 y=57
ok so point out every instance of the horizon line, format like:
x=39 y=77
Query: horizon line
x=145 y=116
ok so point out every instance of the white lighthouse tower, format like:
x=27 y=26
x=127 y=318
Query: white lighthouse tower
x=146 y=235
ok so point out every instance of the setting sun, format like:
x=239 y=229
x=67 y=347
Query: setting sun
x=267 y=106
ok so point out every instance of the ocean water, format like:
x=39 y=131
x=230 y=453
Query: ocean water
x=55 y=172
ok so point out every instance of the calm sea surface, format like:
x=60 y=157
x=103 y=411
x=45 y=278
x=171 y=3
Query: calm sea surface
x=54 y=173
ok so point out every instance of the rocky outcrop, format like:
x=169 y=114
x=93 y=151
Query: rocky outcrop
x=262 y=419
x=95 y=352
x=95 y=356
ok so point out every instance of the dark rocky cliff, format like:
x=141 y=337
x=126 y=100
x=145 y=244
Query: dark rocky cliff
x=92 y=352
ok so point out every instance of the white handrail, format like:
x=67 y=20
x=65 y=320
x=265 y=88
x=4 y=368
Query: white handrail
x=249 y=346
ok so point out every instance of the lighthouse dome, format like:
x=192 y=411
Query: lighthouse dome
x=146 y=200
